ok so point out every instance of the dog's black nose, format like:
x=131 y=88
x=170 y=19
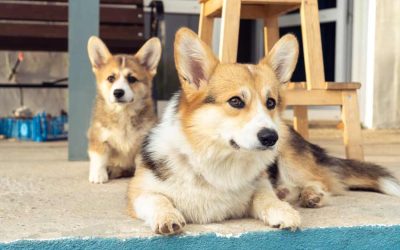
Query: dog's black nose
x=118 y=93
x=267 y=137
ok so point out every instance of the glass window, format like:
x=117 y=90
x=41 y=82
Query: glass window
x=328 y=35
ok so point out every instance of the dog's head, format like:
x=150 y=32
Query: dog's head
x=122 y=79
x=233 y=105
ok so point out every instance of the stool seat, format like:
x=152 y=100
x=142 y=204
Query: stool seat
x=254 y=9
x=315 y=91
x=328 y=85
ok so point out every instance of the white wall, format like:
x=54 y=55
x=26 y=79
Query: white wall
x=179 y=6
x=363 y=55
x=376 y=61
x=387 y=65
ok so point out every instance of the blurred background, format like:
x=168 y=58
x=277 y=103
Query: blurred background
x=45 y=73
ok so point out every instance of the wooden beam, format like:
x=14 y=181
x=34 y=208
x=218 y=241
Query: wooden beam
x=213 y=8
x=136 y=2
x=59 y=13
x=206 y=26
x=33 y=12
x=311 y=34
x=255 y=11
x=352 y=136
x=283 y=2
x=329 y=85
x=61 y=31
x=313 y=97
x=277 y=10
x=33 y=44
x=28 y=30
x=271 y=33
x=343 y=85
x=300 y=120
x=230 y=23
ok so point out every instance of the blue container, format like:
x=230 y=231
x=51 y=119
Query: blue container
x=24 y=129
x=10 y=129
x=1 y=126
x=39 y=128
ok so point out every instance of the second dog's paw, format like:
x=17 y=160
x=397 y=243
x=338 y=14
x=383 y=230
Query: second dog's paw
x=98 y=176
x=281 y=215
x=169 y=222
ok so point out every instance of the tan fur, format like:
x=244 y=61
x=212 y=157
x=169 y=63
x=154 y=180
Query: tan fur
x=188 y=170
x=205 y=161
x=304 y=180
x=308 y=182
x=117 y=129
x=310 y=170
x=134 y=187
x=223 y=89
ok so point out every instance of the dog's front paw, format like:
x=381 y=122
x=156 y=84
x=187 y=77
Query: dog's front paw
x=169 y=222
x=98 y=175
x=281 y=215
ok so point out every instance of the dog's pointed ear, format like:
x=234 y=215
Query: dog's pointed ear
x=194 y=60
x=149 y=55
x=283 y=57
x=98 y=52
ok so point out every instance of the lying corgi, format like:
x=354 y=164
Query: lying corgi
x=206 y=160
x=123 y=111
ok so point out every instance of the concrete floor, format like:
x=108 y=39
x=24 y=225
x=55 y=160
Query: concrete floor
x=43 y=196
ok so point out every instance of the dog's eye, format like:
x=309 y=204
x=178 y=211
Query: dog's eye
x=131 y=79
x=111 y=78
x=236 y=102
x=271 y=103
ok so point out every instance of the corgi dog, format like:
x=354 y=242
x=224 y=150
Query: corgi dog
x=123 y=112
x=206 y=159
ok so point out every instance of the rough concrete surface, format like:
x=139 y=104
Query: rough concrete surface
x=43 y=196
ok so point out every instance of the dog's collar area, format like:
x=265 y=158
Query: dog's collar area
x=234 y=144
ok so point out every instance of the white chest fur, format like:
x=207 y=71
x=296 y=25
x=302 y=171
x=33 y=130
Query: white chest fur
x=123 y=140
x=201 y=203
x=120 y=139
x=208 y=187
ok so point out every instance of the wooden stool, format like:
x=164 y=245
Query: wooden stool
x=315 y=91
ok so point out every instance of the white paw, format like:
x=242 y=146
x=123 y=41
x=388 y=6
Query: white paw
x=168 y=222
x=281 y=215
x=98 y=175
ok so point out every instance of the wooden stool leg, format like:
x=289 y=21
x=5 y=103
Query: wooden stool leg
x=311 y=33
x=271 y=33
x=314 y=64
x=230 y=23
x=271 y=36
x=300 y=120
x=352 y=129
x=206 y=26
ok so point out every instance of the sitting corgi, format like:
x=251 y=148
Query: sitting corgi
x=123 y=111
x=206 y=160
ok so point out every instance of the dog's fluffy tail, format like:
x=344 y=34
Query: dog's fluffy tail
x=360 y=175
x=353 y=174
